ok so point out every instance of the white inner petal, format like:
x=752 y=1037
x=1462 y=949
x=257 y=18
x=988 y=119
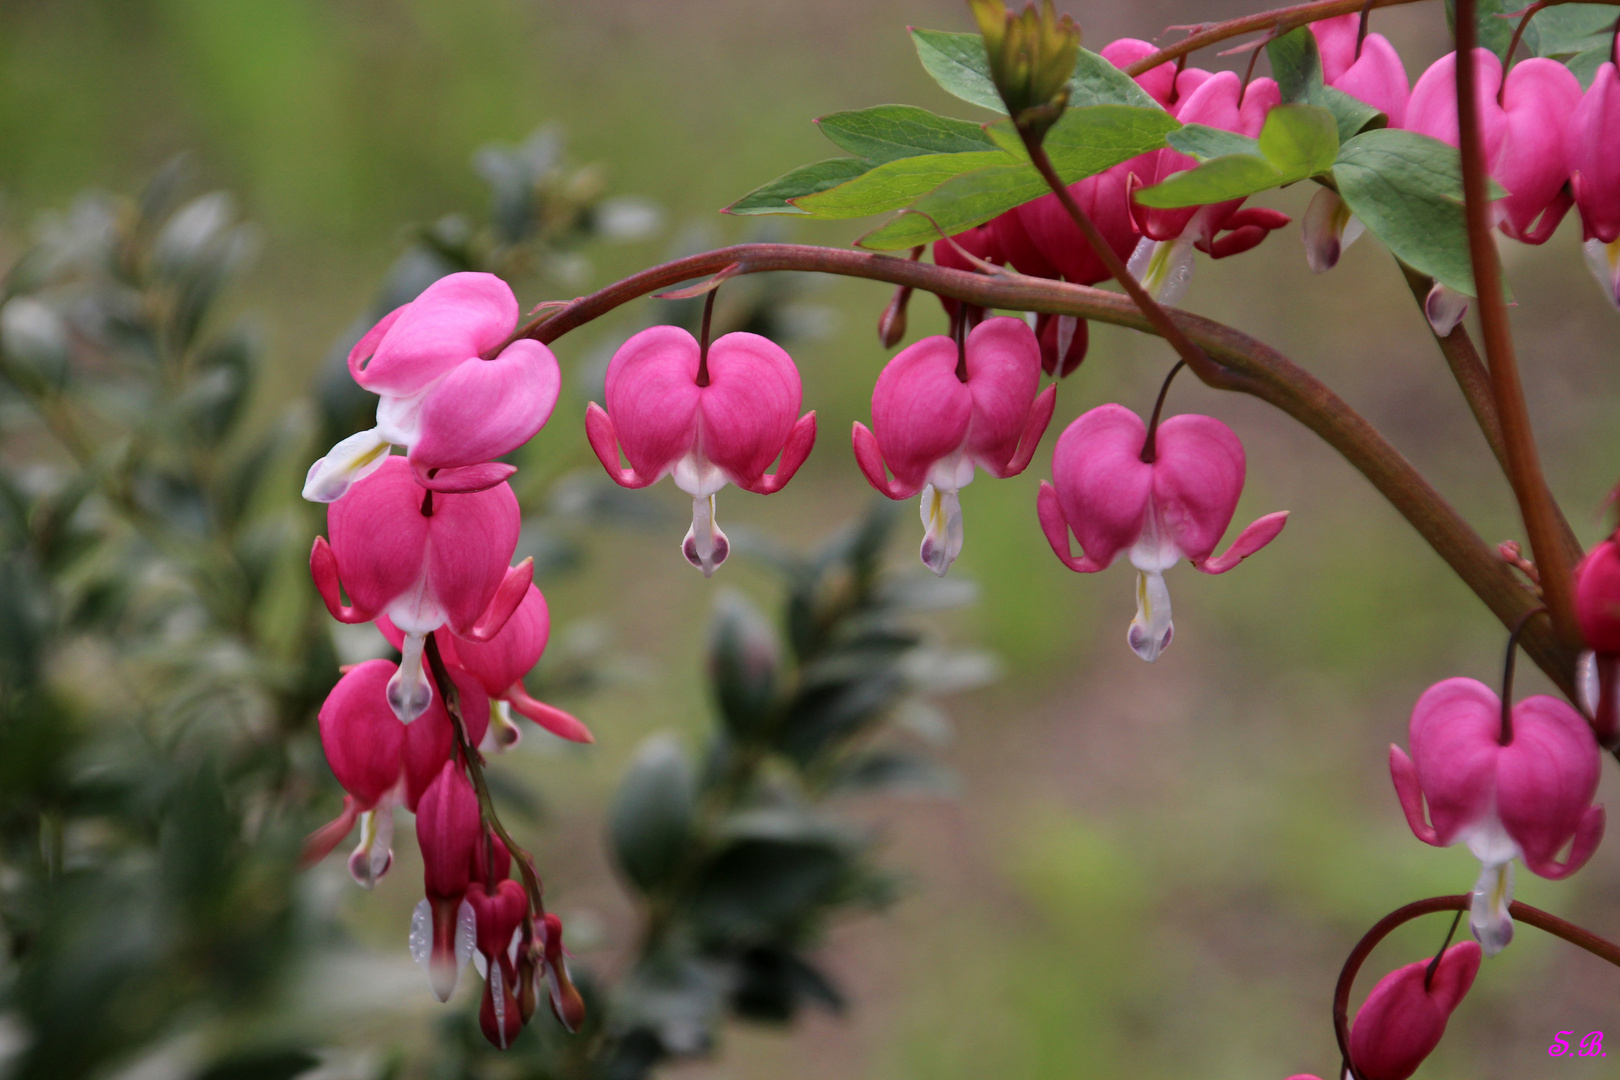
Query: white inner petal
x=350 y=461
x=942 y=527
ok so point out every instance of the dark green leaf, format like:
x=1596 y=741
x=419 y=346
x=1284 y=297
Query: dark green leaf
x=891 y=771
x=1297 y=141
x=1234 y=176
x=959 y=64
x=1584 y=65
x=1089 y=139
x=1495 y=32
x=772 y=983
x=743 y=663
x=755 y=891
x=1407 y=189
x=1298 y=69
x=1204 y=142
x=890 y=132
x=772 y=198
x=652 y=813
x=1097 y=82
x=894 y=184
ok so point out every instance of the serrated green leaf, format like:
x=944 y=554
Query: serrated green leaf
x=1234 y=176
x=1297 y=66
x=772 y=198
x=1204 y=142
x=1407 y=189
x=1495 y=32
x=894 y=184
x=1300 y=140
x=959 y=64
x=890 y=132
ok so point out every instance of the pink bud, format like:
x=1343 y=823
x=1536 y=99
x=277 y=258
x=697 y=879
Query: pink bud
x=447 y=831
x=932 y=428
x=727 y=431
x=1597 y=597
x=1404 y=1017
x=497 y=916
x=1175 y=507
x=566 y=1002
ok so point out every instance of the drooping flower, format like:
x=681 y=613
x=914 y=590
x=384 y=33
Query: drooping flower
x=497 y=916
x=499 y=666
x=1163 y=259
x=1404 y=1017
x=1514 y=788
x=452 y=396
x=423 y=559
x=938 y=413
x=705 y=419
x=444 y=926
x=1175 y=505
x=1524 y=136
x=1597 y=608
x=1594 y=129
x=1369 y=70
x=381 y=762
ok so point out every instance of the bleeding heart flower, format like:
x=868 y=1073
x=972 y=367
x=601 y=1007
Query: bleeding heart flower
x=1175 y=505
x=499 y=666
x=1405 y=1016
x=1524 y=134
x=1369 y=70
x=707 y=420
x=451 y=395
x=1597 y=607
x=1594 y=129
x=382 y=763
x=425 y=560
x=1516 y=787
x=498 y=915
x=448 y=830
x=938 y=413
x=1163 y=260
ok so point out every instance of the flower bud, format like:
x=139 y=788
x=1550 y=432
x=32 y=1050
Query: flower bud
x=1405 y=1016
x=1032 y=56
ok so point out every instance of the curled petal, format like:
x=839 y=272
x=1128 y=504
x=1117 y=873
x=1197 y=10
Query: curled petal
x=605 y=441
x=324 y=840
x=553 y=719
x=457 y=318
x=799 y=443
x=1588 y=834
x=870 y=458
x=1444 y=307
x=1408 y=790
x=1259 y=533
x=1040 y=415
x=512 y=591
x=323 y=568
x=485 y=408
x=464 y=478
x=1056 y=528
x=351 y=460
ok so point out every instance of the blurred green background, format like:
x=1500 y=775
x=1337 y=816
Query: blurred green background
x=1150 y=871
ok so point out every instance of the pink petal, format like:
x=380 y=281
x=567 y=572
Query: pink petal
x=799 y=443
x=447 y=828
x=1040 y=415
x=463 y=479
x=323 y=567
x=1101 y=482
x=1378 y=79
x=1196 y=481
x=474 y=536
x=486 y=408
x=457 y=318
x=504 y=604
x=1056 y=528
x=1531 y=163
x=604 y=441
x=360 y=734
x=870 y=458
x=380 y=536
x=652 y=396
x=1545 y=781
x=750 y=405
x=1157 y=81
x=320 y=843
x=920 y=409
x=1432 y=109
x=512 y=653
x=1407 y=789
x=1336 y=44
x=1453 y=735
x=1593 y=132
x=1260 y=532
x=1004 y=373
x=1015 y=242
x=553 y=719
x=1403 y=1020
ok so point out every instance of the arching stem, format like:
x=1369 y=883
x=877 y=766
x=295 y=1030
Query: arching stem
x=1150 y=445
x=1506 y=737
x=703 y=337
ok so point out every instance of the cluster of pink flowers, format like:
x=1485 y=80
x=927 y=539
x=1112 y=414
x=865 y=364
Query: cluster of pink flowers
x=422 y=545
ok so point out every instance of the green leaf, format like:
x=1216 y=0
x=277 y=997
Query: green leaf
x=894 y=184
x=890 y=132
x=1584 y=65
x=1097 y=82
x=1496 y=33
x=1234 y=176
x=1085 y=142
x=1297 y=66
x=772 y=198
x=1573 y=28
x=652 y=813
x=1296 y=142
x=1204 y=142
x=1300 y=140
x=959 y=64
x=744 y=662
x=1407 y=189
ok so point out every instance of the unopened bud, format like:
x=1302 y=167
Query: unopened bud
x=566 y=1001
x=892 y=323
x=1032 y=56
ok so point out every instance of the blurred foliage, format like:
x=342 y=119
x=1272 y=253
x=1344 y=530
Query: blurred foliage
x=162 y=661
